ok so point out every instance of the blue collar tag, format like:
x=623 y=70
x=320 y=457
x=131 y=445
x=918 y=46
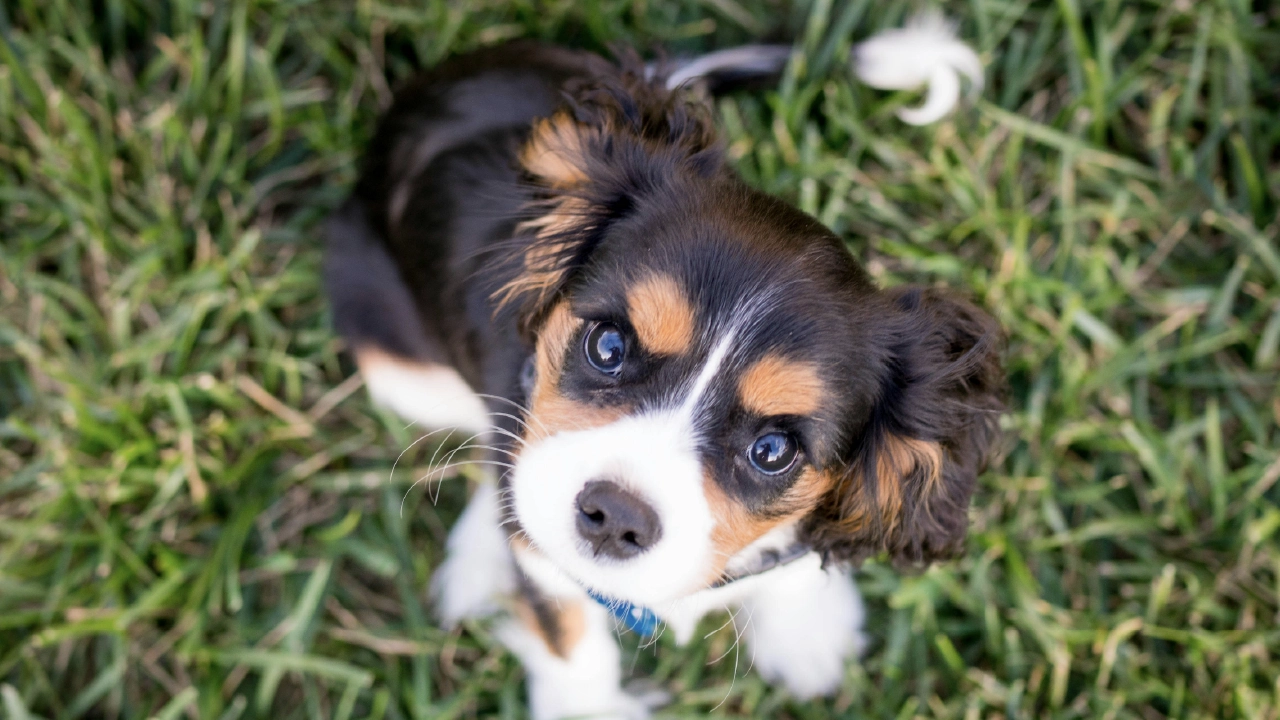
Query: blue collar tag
x=639 y=620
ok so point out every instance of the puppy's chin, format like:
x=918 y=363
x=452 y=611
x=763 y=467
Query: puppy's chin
x=651 y=457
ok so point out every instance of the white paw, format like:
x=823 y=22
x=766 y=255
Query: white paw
x=478 y=571
x=802 y=630
x=816 y=671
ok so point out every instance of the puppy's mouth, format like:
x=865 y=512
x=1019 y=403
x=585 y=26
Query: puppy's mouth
x=614 y=515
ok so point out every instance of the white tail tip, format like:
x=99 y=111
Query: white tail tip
x=926 y=51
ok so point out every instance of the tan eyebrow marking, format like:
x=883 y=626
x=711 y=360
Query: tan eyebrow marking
x=661 y=314
x=777 y=386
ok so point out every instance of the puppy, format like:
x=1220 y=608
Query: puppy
x=700 y=398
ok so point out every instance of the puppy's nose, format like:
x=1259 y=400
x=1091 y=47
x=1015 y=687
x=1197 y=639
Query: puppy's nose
x=616 y=523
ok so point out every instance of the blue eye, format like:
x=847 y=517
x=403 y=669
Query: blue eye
x=772 y=453
x=606 y=348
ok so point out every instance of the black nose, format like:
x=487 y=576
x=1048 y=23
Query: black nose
x=615 y=522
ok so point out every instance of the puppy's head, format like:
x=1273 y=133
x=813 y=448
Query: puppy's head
x=711 y=364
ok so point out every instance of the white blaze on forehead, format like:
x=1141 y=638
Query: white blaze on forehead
x=715 y=360
x=750 y=315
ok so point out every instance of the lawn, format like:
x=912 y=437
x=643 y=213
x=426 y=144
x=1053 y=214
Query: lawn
x=198 y=514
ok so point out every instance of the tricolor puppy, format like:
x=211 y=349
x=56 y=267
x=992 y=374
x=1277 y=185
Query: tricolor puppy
x=703 y=400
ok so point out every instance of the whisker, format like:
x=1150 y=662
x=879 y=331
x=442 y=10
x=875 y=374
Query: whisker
x=448 y=459
x=713 y=632
x=391 y=475
x=526 y=412
x=506 y=400
x=508 y=434
x=448 y=463
x=467 y=445
x=464 y=463
x=469 y=461
x=432 y=462
x=436 y=498
x=732 y=617
x=750 y=616
x=737 y=642
x=519 y=421
x=479 y=446
x=446 y=468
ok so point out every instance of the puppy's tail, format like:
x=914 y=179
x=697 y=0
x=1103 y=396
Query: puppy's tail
x=723 y=70
x=926 y=52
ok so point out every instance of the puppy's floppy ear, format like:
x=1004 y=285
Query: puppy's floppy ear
x=910 y=477
x=619 y=137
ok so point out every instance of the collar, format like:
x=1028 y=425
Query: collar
x=639 y=620
x=768 y=559
x=644 y=622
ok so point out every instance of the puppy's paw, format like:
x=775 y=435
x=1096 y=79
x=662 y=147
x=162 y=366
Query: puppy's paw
x=809 y=666
x=802 y=629
x=478 y=570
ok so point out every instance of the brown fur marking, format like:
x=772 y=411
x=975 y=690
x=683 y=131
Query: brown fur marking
x=560 y=624
x=777 y=386
x=898 y=459
x=555 y=151
x=736 y=527
x=555 y=154
x=661 y=315
x=542 y=272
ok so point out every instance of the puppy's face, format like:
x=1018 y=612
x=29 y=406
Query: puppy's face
x=712 y=365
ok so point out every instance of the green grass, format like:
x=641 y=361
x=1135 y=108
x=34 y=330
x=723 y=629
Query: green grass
x=197 y=512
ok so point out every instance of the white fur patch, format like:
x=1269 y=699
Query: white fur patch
x=433 y=395
x=478 y=572
x=802 y=625
x=925 y=51
x=587 y=684
x=550 y=474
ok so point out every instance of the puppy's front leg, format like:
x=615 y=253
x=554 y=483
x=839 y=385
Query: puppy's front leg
x=802 y=624
x=571 y=660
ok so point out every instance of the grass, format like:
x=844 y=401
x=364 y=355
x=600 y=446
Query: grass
x=197 y=512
